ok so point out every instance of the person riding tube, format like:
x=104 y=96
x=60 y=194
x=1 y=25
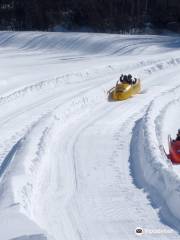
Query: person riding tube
x=130 y=81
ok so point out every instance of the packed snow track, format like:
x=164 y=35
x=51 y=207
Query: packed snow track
x=74 y=165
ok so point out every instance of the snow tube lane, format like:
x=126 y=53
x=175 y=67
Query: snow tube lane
x=64 y=148
x=64 y=178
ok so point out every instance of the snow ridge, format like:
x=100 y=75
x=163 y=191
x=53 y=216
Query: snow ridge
x=155 y=167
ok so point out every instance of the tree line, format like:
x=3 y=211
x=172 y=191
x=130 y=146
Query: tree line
x=98 y=15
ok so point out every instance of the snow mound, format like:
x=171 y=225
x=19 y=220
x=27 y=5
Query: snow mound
x=151 y=132
x=31 y=237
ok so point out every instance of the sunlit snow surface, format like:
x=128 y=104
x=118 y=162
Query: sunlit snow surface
x=73 y=165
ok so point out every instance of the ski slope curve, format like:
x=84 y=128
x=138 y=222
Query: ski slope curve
x=72 y=164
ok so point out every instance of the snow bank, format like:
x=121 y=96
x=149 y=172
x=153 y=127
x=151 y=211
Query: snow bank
x=31 y=237
x=17 y=186
x=89 y=43
x=156 y=169
x=24 y=187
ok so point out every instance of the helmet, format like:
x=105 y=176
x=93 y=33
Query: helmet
x=129 y=75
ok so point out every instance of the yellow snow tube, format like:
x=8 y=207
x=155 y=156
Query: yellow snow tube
x=124 y=91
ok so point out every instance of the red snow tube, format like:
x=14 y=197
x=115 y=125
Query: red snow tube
x=174 y=151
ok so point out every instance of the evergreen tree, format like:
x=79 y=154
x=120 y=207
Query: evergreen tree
x=100 y=15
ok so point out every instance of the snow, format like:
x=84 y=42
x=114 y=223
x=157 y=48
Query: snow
x=74 y=165
x=31 y=237
x=161 y=119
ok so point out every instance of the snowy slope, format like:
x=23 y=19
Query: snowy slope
x=74 y=165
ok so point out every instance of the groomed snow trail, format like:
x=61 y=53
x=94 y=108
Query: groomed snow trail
x=74 y=165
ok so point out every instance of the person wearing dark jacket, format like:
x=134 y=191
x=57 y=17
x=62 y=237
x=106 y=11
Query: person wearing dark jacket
x=125 y=79
x=130 y=81
x=121 y=78
x=178 y=135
